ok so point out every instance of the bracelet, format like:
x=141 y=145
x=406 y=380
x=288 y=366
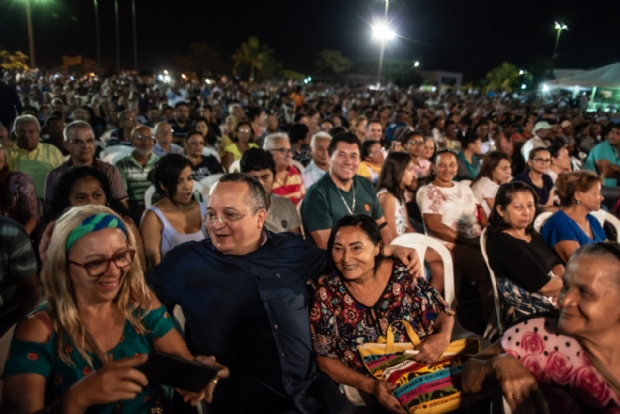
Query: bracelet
x=551 y=274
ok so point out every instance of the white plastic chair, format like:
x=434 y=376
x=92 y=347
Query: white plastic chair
x=541 y=219
x=298 y=165
x=613 y=220
x=208 y=183
x=235 y=167
x=5 y=344
x=495 y=326
x=114 y=153
x=206 y=151
x=150 y=192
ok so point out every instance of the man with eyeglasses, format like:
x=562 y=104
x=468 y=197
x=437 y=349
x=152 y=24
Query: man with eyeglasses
x=163 y=145
x=80 y=142
x=127 y=122
x=136 y=167
x=287 y=182
x=243 y=295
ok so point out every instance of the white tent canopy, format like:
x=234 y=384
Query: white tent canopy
x=603 y=77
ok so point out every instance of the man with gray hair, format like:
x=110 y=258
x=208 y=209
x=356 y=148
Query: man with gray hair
x=31 y=156
x=163 y=137
x=287 y=182
x=320 y=159
x=80 y=142
x=122 y=135
x=250 y=309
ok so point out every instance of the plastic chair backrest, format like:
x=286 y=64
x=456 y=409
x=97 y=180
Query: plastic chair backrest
x=541 y=219
x=495 y=325
x=235 y=167
x=298 y=165
x=206 y=151
x=208 y=183
x=613 y=220
x=420 y=243
x=116 y=149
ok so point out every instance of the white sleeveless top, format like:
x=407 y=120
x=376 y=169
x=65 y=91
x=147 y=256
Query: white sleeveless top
x=399 y=212
x=170 y=238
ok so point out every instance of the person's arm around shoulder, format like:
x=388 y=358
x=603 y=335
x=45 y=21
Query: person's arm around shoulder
x=227 y=160
x=151 y=229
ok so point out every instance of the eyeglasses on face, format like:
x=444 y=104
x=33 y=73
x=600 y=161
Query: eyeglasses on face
x=89 y=141
x=145 y=137
x=228 y=219
x=243 y=130
x=98 y=267
x=283 y=151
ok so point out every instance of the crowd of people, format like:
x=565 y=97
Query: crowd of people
x=269 y=214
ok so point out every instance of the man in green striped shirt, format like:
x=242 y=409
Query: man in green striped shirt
x=136 y=167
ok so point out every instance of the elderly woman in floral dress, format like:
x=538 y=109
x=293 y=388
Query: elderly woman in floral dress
x=569 y=364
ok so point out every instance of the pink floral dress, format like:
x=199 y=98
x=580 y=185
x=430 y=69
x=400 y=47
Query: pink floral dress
x=567 y=378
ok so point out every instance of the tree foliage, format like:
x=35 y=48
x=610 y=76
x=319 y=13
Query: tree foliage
x=203 y=59
x=332 y=62
x=291 y=74
x=17 y=61
x=504 y=77
x=255 y=57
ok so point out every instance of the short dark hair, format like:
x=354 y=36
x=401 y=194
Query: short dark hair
x=253 y=112
x=298 y=132
x=257 y=159
x=535 y=151
x=470 y=137
x=166 y=173
x=366 y=147
x=52 y=119
x=153 y=107
x=298 y=117
x=503 y=198
x=191 y=134
x=374 y=121
x=555 y=149
x=207 y=106
x=179 y=104
x=258 y=198
x=347 y=138
x=609 y=127
x=336 y=130
x=368 y=225
x=328 y=120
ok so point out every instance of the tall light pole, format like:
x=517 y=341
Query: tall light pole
x=559 y=27
x=30 y=35
x=382 y=33
x=118 y=40
x=98 y=36
x=135 y=36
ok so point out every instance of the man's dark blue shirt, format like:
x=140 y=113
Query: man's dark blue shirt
x=251 y=313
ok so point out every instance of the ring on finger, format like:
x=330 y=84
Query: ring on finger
x=516 y=398
x=214 y=380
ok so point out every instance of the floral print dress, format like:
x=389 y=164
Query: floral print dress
x=338 y=323
x=570 y=383
x=27 y=357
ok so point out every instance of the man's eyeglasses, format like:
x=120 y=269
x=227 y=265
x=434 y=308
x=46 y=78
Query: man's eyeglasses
x=129 y=119
x=415 y=143
x=283 y=151
x=542 y=160
x=228 y=219
x=247 y=131
x=89 y=141
x=98 y=267
x=145 y=137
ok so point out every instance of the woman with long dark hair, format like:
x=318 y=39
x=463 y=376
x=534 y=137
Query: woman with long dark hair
x=177 y=218
x=495 y=171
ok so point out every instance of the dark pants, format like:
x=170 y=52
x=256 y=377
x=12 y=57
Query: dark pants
x=469 y=267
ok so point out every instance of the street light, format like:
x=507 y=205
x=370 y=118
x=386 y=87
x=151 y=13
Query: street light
x=416 y=64
x=559 y=27
x=30 y=35
x=382 y=33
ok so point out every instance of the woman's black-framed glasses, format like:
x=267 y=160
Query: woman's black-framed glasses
x=98 y=267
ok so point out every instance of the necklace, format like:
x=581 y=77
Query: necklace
x=352 y=209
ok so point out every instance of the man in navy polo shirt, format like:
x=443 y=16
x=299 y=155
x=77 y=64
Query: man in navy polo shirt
x=243 y=294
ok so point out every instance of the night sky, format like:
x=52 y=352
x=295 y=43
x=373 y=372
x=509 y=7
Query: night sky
x=454 y=35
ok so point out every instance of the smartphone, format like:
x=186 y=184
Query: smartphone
x=170 y=370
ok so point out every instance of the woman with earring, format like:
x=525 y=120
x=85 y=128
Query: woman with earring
x=572 y=226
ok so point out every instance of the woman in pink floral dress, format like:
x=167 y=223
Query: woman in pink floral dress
x=569 y=364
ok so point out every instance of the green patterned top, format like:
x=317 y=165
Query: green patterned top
x=27 y=357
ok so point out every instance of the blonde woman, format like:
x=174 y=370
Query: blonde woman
x=80 y=350
x=358 y=127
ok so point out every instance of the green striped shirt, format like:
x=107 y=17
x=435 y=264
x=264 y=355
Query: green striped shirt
x=135 y=176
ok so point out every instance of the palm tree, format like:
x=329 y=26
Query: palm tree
x=505 y=77
x=253 y=56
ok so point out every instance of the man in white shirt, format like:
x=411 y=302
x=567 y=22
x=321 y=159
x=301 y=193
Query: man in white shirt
x=319 y=165
x=164 y=145
x=542 y=130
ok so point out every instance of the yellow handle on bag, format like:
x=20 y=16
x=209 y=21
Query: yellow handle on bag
x=389 y=341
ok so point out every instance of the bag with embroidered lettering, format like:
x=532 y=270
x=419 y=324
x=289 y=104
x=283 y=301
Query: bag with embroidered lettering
x=421 y=388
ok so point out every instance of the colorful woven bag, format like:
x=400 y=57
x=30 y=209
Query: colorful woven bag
x=422 y=388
